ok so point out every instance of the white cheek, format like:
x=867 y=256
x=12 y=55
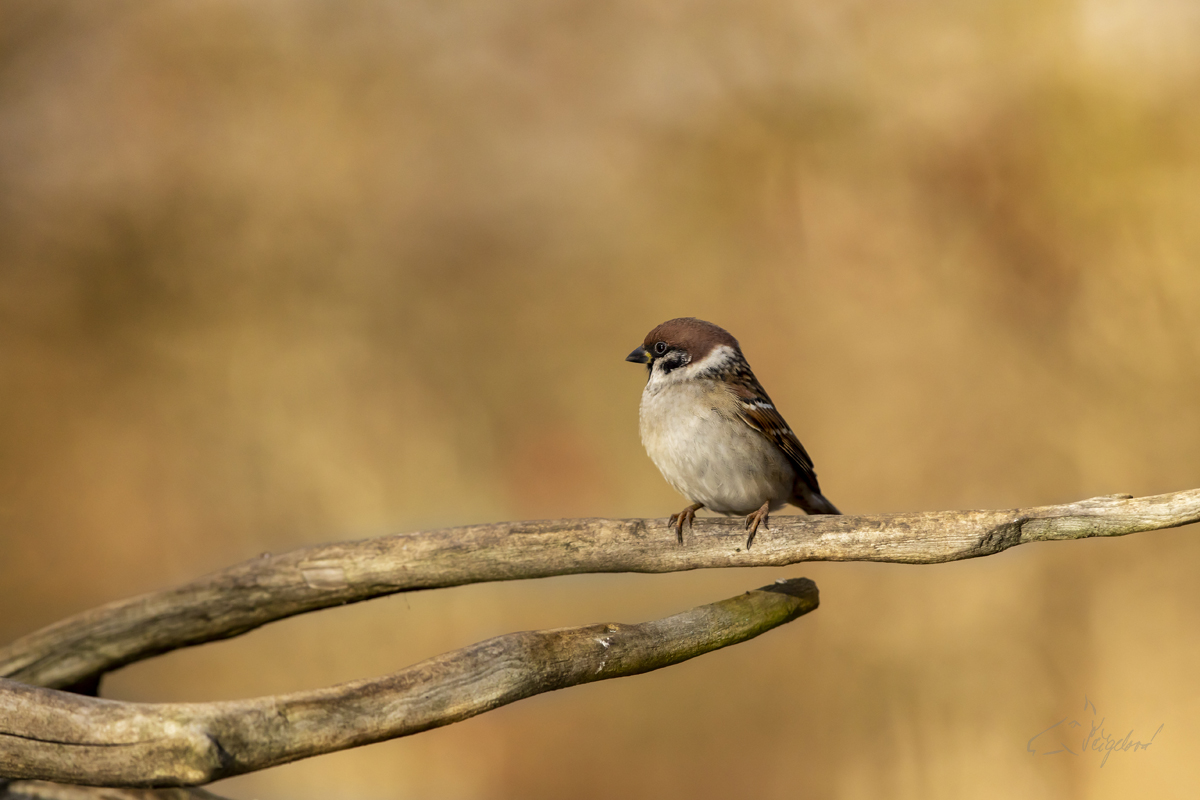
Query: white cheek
x=716 y=358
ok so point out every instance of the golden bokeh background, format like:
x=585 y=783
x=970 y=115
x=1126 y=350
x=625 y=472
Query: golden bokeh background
x=281 y=273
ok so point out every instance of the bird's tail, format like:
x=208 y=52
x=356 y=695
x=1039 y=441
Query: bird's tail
x=812 y=501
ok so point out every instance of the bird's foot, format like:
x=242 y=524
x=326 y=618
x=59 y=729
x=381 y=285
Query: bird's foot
x=757 y=518
x=687 y=515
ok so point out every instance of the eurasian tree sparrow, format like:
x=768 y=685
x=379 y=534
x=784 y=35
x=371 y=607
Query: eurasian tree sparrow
x=714 y=433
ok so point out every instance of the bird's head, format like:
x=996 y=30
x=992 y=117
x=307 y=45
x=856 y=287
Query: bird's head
x=686 y=344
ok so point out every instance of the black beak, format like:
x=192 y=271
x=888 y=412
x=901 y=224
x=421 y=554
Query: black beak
x=639 y=356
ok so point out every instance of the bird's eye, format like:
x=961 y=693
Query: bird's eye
x=660 y=348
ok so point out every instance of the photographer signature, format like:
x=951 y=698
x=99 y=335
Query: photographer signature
x=1076 y=738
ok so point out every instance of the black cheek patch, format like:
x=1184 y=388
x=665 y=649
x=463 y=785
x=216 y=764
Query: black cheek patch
x=673 y=360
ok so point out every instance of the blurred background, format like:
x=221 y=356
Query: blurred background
x=281 y=273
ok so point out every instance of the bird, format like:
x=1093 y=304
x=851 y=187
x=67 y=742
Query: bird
x=714 y=433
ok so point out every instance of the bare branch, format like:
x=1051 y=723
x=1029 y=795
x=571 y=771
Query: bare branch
x=44 y=790
x=74 y=652
x=61 y=736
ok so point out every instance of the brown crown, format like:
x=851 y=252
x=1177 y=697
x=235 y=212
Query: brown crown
x=695 y=336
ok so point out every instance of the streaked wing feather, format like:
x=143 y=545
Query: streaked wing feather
x=756 y=410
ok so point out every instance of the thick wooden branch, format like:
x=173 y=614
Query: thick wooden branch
x=45 y=790
x=76 y=651
x=62 y=736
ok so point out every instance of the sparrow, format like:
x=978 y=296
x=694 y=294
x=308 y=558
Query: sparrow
x=713 y=432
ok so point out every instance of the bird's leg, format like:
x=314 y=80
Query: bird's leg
x=755 y=519
x=687 y=515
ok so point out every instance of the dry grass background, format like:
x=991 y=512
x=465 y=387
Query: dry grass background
x=279 y=273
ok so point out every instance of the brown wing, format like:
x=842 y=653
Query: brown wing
x=755 y=408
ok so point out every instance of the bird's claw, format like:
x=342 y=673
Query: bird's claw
x=685 y=516
x=759 y=517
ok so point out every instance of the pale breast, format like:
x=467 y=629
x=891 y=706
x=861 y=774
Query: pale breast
x=693 y=436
